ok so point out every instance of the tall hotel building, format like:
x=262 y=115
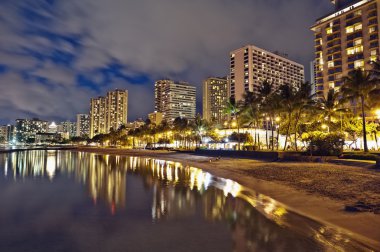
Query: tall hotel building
x=98 y=116
x=345 y=40
x=175 y=99
x=27 y=129
x=108 y=112
x=216 y=93
x=116 y=109
x=83 y=125
x=250 y=66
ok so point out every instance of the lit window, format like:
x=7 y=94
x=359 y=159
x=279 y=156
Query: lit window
x=358 y=12
x=330 y=64
x=358 y=27
x=349 y=29
x=373 y=52
x=359 y=49
x=372 y=29
x=350 y=51
x=331 y=84
x=359 y=64
x=358 y=42
x=329 y=30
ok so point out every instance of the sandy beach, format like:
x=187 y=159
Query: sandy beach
x=320 y=191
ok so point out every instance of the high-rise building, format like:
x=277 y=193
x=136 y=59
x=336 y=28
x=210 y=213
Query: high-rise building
x=175 y=99
x=313 y=77
x=155 y=117
x=68 y=129
x=98 y=116
x=27 y=129
x=116 y=109
x=83 y=125
x=216 y=93
x=345 y=40
x=3 y=133
x=108 y=112
x=7 y=132
x=342 y=3
x=250 y=66
x=159 y=87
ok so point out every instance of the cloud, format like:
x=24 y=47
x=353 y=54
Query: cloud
x=185 y=40
x=31 y=98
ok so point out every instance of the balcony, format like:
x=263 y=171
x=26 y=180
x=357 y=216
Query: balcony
x=373 y=44
x=373 y=37
x=372 y=22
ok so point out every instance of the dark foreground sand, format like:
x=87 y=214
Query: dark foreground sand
x=319 y=191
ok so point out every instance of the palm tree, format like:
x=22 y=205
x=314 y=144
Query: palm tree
x=330 y=107
x=233 y=110
x=265 y=92
x=250 y=111
x=288 y=97
x=358 y=86
x=180 y=125
x=199 y=126
x=303 y=102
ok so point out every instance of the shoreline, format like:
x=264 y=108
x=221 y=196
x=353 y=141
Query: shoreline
x=363 y=225
x=282 y=186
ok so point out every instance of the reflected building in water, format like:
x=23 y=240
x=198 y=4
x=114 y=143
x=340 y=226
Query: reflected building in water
x=178 y=193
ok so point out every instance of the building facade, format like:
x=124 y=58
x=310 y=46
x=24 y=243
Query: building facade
x=27 y=129
x=97 y=116
x=67 y=129
x=216 y=93
x=175 y=99
x=108 y=112
x=116 y=109
x=345 y=40
x=83 y=125
x=250 y=66
x=6 y=133
x=3 y=133
x=155 y=118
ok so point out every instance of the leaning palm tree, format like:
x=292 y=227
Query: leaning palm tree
x=358 y=87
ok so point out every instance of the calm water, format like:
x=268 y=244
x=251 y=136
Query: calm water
x=71 y=201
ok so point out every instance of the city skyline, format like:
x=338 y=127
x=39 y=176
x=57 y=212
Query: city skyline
x=58 y=68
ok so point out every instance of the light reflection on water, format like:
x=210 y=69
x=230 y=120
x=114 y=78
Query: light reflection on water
x=247 y=221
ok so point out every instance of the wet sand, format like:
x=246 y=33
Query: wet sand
x=316 y=190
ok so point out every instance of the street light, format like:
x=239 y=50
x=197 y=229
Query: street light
x=324 y=127
x=377 y=112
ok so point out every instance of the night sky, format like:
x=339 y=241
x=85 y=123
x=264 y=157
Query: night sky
x=57 y=54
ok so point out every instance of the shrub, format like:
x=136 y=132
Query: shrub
x=324 y=144
x=360 y=156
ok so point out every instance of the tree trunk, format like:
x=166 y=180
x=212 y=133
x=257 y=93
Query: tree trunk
x=364 y=127
x=272 y=124
x=287 y=131
x=375 y=136
x=266 y=134
x=295 y=129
